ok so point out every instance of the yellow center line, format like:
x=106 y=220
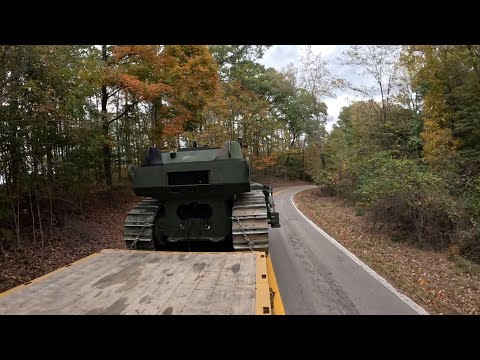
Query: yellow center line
x=278 y=192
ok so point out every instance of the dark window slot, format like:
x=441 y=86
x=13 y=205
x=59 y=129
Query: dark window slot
x=188 y=178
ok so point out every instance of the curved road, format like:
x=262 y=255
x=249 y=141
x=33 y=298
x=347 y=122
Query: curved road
x=316 y=275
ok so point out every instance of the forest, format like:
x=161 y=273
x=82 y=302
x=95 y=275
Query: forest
x=73 y=118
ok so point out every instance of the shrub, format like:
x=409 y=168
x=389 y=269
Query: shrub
x=405 y=196
x=469 y=240
x=335 y=183
x=471 y=196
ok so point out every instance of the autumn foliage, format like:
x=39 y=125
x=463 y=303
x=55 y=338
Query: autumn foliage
x=73 y=118
x=412 y=159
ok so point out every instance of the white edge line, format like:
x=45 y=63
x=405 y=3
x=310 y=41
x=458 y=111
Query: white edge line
x=384 y=282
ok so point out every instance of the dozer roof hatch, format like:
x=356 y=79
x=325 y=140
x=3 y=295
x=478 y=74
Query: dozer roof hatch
x=229 y=150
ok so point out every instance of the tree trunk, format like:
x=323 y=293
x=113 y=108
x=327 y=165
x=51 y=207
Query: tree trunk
x=49 y=161
x=107 y=155
x=3 y=250
x=51 y=208
x=157 y=124
x=303 y=161
x=16 y=221
x=119 y=161
x=286 y=166
x=40 y=219
x=288 y=156
x=107 y=151
x=32 y=214
x=14 y=149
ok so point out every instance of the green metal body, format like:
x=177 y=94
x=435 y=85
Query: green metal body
x=196 y=188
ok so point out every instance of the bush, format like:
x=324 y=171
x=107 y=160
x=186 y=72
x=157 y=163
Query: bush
x=335 y=183
x=382 y=175
x=405 y=196
x=469 y=244
x=471 y=196
x=424 y=218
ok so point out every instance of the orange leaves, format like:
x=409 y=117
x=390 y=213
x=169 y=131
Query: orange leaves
x=265 y=162
x=174 y=127
x=143 y=89
x=150 y=54
x=137 y=69
x=181 y=80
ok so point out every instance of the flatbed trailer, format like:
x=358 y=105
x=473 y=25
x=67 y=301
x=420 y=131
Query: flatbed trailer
x=152 y=283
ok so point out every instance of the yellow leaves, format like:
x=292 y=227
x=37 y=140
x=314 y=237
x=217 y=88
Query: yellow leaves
x=263 y=162
x=138 y=53
x=422 y=281
x=439 y=144
x=436 y=66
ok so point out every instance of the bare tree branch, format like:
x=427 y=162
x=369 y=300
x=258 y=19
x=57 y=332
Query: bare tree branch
x=127 y=109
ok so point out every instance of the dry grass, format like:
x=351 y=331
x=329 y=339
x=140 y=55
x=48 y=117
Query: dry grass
x=441 y=282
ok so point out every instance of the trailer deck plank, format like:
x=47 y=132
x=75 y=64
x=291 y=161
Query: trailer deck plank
x=166 y=286
x=142 y=282
x=180 y=298
x=223 y=295
x=208 y=277
x=243 y=299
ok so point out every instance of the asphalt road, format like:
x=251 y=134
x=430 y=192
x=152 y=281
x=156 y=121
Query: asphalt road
x=316 y=275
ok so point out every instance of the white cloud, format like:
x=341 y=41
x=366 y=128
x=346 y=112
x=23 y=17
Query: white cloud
x=334 y=107
x=278 y=56
x=325 y=50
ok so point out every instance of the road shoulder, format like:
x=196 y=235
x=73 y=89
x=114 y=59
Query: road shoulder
x=427 y=277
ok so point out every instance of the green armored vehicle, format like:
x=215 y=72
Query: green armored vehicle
x=199 y=198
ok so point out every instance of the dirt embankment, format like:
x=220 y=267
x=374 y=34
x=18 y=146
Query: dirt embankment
x=442 y=283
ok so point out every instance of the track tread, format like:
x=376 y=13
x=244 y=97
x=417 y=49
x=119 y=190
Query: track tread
x=141 y=216
x=250 y=208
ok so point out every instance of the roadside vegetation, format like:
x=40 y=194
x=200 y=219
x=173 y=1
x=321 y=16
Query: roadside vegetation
x=411 y=161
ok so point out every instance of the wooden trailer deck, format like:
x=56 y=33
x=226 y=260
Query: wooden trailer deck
x=141 y=282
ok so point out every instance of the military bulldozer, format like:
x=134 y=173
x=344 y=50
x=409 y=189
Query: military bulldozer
x=199 y=199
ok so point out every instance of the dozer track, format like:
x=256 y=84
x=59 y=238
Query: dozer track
x=138 y=227
x=250 y=222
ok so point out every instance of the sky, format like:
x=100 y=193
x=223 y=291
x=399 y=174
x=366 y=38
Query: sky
x=278 y=56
